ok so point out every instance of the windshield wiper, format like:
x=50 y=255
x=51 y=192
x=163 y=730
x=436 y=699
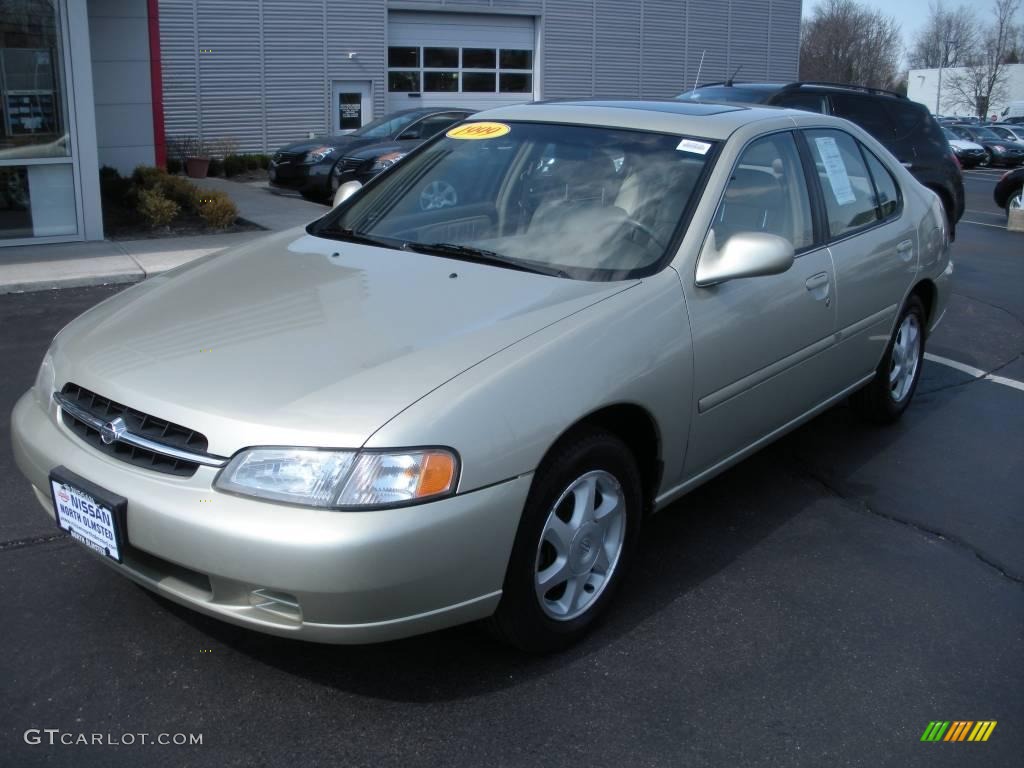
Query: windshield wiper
x=481 y=256
x=352 y=236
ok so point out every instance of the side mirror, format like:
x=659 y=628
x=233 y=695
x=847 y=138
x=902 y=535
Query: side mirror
x=345 y=191
x=745 y=254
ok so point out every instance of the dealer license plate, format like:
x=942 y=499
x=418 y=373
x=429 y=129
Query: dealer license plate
x=91 y=515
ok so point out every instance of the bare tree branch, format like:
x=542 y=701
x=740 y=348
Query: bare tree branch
x=846 y=42
x=983 y=78
x=946 y=40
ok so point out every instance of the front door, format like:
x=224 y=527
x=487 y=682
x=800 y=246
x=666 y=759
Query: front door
x=351 y=105
x=760 y=344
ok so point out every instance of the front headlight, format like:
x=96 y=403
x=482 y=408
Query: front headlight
x=999 y=148
x=341 y=479
x=386 y=161
x=45 y=382
x=318 y=154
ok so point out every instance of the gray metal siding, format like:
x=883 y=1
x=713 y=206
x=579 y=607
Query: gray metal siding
x=268 y=78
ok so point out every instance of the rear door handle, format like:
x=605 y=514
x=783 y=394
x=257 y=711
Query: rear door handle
x=907 y=165
x=906 y=250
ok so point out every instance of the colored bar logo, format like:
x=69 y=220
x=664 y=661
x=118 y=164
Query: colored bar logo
x=958 y=730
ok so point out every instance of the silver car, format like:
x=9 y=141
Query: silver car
x=458 y=394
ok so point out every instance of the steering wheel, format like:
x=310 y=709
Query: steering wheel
x=639 y=226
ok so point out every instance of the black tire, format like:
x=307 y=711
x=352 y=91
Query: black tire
x=520 y=620
x=876 y=401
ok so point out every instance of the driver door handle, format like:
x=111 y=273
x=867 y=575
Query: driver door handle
x=905 y=250
x=818 y=286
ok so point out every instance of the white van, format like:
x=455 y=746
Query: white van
x=1012 y=113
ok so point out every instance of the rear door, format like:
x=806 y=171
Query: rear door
x=873 y=245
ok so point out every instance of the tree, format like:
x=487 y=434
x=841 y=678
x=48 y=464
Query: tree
x=945 y=40
x=845 y=42
x=983 y=78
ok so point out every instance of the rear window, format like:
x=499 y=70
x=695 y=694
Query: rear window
x=868 y=114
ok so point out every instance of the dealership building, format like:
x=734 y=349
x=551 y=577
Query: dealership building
x=87 y=83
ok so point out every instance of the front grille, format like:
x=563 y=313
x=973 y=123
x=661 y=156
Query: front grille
x=287 y=157
x=142 y=424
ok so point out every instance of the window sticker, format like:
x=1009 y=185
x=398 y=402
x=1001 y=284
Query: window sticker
x=838 y=178
x=697 y=147
x=483 y=130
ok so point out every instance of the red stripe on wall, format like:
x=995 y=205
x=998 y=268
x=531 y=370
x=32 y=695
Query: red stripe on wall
x=156 y=80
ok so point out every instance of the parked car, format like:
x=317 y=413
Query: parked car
x=998 y=151
x=1009 y=191
x=1010 y=132
x=967 y=152
x=1012 y=112
x=906 y=128
x=316 y=167
x=413 y=417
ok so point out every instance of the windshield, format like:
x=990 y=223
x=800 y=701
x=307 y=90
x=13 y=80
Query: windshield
x=386 y=126
x=583 y=202
x=950 y=135
x=984 y=133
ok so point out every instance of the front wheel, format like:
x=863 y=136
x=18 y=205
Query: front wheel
x=575 y=540
x=1015 y=202
x=884 y=399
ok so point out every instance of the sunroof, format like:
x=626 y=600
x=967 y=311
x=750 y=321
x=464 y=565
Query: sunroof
x=674 y=107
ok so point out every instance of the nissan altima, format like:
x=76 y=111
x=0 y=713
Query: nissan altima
x=409 y=416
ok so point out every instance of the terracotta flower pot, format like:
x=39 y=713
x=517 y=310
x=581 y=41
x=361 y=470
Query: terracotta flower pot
x=197 y=167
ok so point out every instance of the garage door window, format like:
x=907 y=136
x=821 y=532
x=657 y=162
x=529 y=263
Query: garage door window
x=460 y=70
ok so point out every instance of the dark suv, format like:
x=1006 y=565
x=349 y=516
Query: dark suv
x=904 y=127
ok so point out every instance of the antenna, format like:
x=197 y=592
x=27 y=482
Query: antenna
x=733 y=76
x=699 y=67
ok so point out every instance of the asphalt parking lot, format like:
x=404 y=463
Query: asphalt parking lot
x=818 y=605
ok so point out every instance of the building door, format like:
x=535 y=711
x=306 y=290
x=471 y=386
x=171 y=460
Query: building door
x=352 y=105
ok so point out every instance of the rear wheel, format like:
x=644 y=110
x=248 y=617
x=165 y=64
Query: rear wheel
x=575 y=540
x=1015 y=202
x=884 y=399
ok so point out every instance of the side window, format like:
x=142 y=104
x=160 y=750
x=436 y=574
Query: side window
x=437 y=123
x=767 y=193
x=845 y=183
x=811 y=102
x=868 y=113
x=885 y=186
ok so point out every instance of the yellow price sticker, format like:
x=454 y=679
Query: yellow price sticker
x=479 y=131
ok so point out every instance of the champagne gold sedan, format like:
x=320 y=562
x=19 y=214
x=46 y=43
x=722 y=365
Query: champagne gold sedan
x=427 y=409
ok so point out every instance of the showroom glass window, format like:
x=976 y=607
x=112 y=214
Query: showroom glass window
x=37 y=196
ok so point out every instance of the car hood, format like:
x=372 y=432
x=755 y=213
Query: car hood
x=299 y=340
x=344 y=142
x=963 y=144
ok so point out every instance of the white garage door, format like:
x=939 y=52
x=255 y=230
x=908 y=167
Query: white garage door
x=459 y=60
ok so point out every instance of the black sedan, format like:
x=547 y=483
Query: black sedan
x=998 y=150
x=315 y=168
x=1009 y=191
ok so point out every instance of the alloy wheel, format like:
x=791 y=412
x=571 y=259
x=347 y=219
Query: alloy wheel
x=580 y=545
x=905 y=357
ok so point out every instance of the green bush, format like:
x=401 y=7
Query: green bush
x=181 y=191
x=173 y=165
x=155 y=209
x=216 y=167
x=114 y=188
x=216 y=209
x=234 y=165
x=264 y=161
x=252 y=162
x=148 y=176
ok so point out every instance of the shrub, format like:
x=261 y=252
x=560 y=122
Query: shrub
x=114 y=188
x=173 y=165
x=216 y=167
x=180 y=190
x=216 y=209
x=252 y=162
x=148 y=176
x=234 y=165
x=156 y=209
x=264 y=161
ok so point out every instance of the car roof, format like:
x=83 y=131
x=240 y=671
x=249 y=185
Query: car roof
x=708 y=119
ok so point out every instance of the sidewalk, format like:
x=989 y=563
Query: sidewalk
x=68 y=265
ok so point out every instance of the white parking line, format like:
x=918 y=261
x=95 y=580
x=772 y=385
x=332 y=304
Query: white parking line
x=977 y=373
x=981 y=224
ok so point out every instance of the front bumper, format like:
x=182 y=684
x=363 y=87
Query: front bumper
x=354 y=577
x=310 y=179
